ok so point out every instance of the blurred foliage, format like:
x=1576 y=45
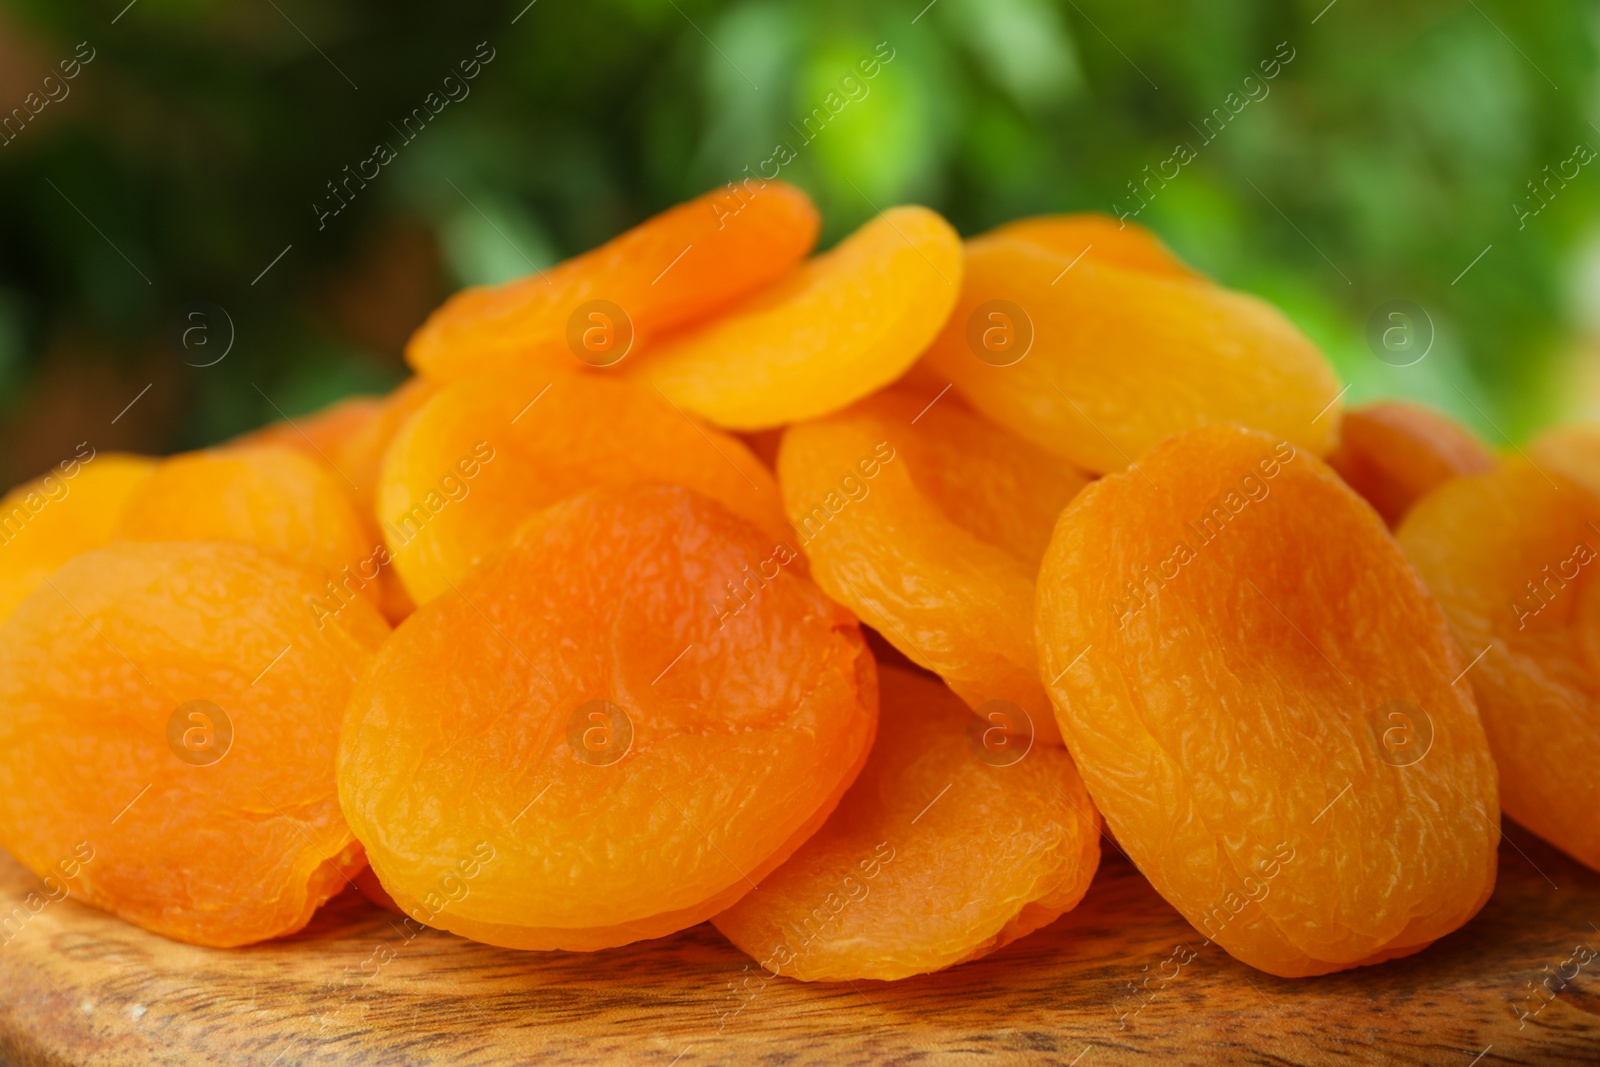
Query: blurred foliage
x=1384 y=157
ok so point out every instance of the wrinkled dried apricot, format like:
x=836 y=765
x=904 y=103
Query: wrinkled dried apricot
x=665 y=273
x=169 y=719
x=574 y=749
x=929 y=523
x=267 y=496
x=489 y=451
x=76 y=507
x=934 y=857
x=1393 y=452
x=1102 y=238
x=350 y=438
x=1257 y=689
x=1511 y=555
x=843 y=326
x=1097 y=360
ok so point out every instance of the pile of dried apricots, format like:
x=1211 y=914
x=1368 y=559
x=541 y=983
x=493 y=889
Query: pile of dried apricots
x=575 y=638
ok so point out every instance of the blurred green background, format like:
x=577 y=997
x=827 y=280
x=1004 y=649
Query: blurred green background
x=1425 y=151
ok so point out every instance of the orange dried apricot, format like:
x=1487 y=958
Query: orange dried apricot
x=169 y=721
x=488 y=451
x=1100 y=359
x=1102 y=238
x=76 y=507
x=667 y=272
x=350 y=438
x=929 y=523
x=1393 y=452
x=267 y=496
x=1511 y=556
x=574 y=750
x=1257 y=689
x=934 y=857
x=849 y=322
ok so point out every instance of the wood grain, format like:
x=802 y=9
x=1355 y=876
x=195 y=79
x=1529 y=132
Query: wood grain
x=80 y=987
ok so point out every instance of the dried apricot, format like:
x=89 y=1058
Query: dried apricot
x=843 y=326
x=489 y=451
x=1511 y=557
x=934 y=857
x=1393 y=452
x=169 y=721
x=667 y=272
x=1257 y=689
x=929 y=522
x=1102 y=238
x=74 y=508
x=350 y=438
x=574 y=750
x=1098 y=360
x=267 y=496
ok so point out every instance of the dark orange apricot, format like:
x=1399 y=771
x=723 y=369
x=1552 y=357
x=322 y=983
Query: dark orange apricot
x=169 y=720
x=575 y=748
x=666 y=273
x=1261 y=696
x=938 y=854
x=76 y=507
x=489 y=451
x=929 y=521
x=1511 y=555
x=1393 y=453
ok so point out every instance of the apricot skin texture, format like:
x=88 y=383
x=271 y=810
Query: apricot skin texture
x=670 y=271
x=843 y=326
x=1512 y=558
x=92 y=670
x=1234 y=714
x=488 y=451
x=459 y=746
x=932 y=532
x=47 y=521
x=934 y=857
x=271 y=497
x=1393 y=453
x=1121 y=358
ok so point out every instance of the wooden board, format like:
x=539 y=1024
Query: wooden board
x=78 y=986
